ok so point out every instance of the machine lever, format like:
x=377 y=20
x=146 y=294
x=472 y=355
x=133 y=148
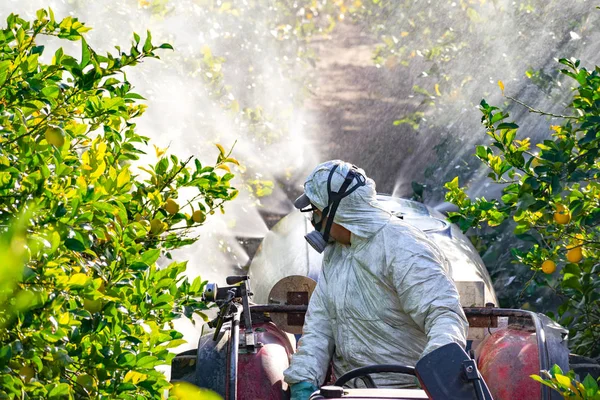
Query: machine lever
x=232 y=280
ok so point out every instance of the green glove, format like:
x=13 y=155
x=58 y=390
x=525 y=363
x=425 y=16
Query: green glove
x=302 y=390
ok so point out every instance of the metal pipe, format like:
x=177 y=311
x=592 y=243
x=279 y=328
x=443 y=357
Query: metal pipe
x=278 y=308
x=233 y=355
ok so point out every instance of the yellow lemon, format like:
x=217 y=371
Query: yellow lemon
x=26 y=373
x=198 y=216
x=574 y=255
x=548 y=267
x=92 y=305
x=156 y=226
x=86 y=382
x=171 y=206
x=562 y=215
x=55 y=136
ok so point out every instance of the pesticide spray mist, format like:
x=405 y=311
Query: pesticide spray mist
x=235 y=78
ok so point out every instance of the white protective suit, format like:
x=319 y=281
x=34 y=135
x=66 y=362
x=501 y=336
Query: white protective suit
x=387 y=298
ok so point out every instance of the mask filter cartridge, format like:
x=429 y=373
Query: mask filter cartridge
x=316 y=240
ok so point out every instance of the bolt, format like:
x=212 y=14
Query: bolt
x=469 y=369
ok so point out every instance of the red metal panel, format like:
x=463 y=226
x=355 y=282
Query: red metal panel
x=260 y=374
x=505 y=359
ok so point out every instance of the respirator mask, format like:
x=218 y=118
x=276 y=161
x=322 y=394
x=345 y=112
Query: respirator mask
x=320 y=238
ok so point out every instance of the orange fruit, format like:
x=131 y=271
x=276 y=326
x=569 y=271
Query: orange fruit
x=574 y=255
x=548 y=267
x=562 y=215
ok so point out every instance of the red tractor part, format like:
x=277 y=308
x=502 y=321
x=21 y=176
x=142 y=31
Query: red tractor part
x=506 y=359
x=526 y=344
x=260 y=374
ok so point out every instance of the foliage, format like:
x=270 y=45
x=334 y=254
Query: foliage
x=90 y=313
x=553 y=197
x=567 y=384
x=439 y=37
x=187 y=391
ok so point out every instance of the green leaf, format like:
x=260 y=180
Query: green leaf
x=148 y=42
x=146 y=362
x=85 y=54
x=133 y=96
x=165 y=46
x=126 y=360
x=149 y=257
x=74 y=244
x=590 y=385
x=507 y=125
x=78 y=280
x=4 y=67
x=51 y=91
x=5 y=353
x=62 y=389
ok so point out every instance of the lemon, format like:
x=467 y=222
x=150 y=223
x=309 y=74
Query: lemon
x=171 y=206
x=548 y=267
x=198 y=216
x=86 y=382
x=92 y=305
x=562 y=215
x=574 y=255
x=156 y=226
x=26 y=373
x=55 y=136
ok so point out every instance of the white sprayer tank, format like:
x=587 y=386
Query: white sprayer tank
x=284 y=252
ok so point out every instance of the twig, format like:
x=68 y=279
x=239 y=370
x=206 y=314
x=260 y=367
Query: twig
x=533 y=110
x=527 y=285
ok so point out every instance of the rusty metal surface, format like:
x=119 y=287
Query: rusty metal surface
x=482 y=321
x=291 y=291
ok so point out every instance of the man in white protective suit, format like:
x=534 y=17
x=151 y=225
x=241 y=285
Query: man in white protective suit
x=384 y=294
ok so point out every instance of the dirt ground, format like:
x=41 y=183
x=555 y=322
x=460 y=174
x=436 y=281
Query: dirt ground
x=354 y=107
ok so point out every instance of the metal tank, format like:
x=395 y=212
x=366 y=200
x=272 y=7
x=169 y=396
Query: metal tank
x=284 y=252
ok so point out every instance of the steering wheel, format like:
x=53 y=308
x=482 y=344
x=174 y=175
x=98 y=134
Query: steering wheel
x=374 y=369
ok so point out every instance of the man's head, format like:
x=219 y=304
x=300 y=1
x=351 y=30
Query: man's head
x=345 y=196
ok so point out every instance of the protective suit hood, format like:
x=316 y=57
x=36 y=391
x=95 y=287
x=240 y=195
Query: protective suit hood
x=359 y=212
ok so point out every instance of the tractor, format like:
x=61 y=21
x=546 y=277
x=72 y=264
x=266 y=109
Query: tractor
x=243 y=351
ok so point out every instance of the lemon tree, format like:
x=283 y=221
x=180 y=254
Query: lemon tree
x=552 y=196
x=84 y=309
x=568 y=386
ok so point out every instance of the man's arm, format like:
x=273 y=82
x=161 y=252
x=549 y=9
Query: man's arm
x=311 y=361
x=429 y=295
